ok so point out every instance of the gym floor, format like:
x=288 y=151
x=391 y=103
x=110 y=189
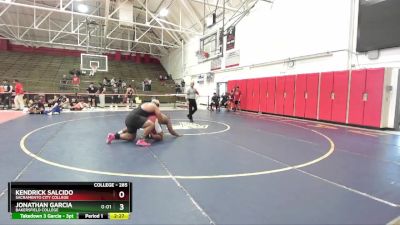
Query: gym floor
x=228 y=168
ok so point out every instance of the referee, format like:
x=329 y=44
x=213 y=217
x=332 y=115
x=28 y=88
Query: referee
x=191 y=97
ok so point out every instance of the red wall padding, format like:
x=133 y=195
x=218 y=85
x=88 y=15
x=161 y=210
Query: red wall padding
x=339 y=103
x=3 y=44
x=301 y=89
x=374 y=90
x=325 y=94
x=279 y=95
x=263 y=94
x=289 y=95
x=298 y=95
x=366 y=97
x=357 y=89
x=312 y=96
x=117 y=56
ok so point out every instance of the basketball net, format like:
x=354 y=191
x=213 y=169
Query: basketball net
x=94 y=70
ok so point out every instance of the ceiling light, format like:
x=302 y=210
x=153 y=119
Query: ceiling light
x=163 y=12
x=83 y=8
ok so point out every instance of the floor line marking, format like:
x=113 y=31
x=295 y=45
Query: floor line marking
x=3 y=192
x=281 y=135
x=288 y=120
x=320 y=178
x=205 y=133
x=351 y=189
x=368 y=157
x=180 y=186
x=29 y=163
x=252 y=151
x=257 y=153
x=395 y=221
x=343 y=150
x=365 y=133
x=281 y=118
x=26 y=151
x=344 y=186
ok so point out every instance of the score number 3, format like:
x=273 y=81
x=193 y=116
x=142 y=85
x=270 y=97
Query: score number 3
x=121 y=194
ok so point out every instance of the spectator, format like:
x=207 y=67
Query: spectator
x=29 y=103
x=64 y=79
x=119 y=82
x=63 y=82
x=161 y=77
x=65 y=104
x=178 y=89
x=129 y=96
x=112 y=82
x=56 y=106
x=191 y=98
x=78 y=106
x=149 y=85
x=37 y=106
x=166 y=77
x=6 y=100
x=224 y=100
x=183 y=85
x=74 y=99
x=145 y=84
x=123 y=85
x=42 y=99
x=76 y=80
x=19 y=95
x=106 y=82
x=52 y=102
x=115 y=96
x=102 y=96
x=75 y=71
x=92 y=90
x=236 y=98
x=215 y=102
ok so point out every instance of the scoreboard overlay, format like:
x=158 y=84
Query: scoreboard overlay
x=70 y=200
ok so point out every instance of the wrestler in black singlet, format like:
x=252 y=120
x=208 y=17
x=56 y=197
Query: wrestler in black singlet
x=136 y=118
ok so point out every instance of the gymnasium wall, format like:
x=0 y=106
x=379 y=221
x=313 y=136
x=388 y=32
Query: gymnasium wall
x=319 y=35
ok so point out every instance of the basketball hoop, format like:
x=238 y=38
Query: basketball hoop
x=90 y=60
x=202 y=55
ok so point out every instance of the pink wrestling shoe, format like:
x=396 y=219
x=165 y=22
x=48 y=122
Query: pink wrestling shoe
x=110 y=138
x=142 y=143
